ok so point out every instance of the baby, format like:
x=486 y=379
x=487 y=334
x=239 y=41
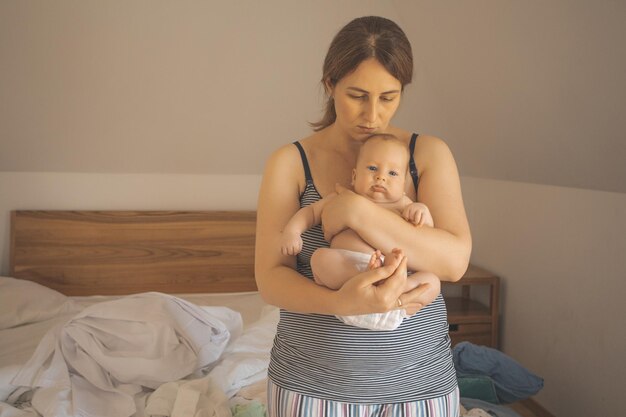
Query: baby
x=380 y=176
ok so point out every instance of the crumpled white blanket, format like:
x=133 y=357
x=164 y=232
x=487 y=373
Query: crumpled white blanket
x=106 y=360
x=243 y=364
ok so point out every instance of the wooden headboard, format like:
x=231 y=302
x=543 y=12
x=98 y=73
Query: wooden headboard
x=125 y=252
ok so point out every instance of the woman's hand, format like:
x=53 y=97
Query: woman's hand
x=339 y=212
x=408 y=299
x=374 y=291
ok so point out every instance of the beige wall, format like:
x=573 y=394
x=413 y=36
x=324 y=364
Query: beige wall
x=203 y=87
x=529 y=91
x=560 y=254
x=173 y=105
x=212 y=87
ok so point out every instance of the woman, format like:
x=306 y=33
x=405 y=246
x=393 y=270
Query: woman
x=319 y=365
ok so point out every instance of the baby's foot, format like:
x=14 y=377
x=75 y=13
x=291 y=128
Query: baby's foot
x=395 y=257
x=376 y=260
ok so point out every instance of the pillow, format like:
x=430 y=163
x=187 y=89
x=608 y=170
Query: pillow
x=23 y=301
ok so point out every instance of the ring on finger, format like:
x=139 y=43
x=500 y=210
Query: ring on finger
x=399 y=302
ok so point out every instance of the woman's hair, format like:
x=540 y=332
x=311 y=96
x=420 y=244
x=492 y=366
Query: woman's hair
x=361 y=39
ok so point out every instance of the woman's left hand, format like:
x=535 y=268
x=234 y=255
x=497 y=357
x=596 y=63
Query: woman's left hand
x=339 y=212
x=409 y=302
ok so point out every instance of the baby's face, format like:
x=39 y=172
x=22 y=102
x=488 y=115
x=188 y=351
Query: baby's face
x=380 y=172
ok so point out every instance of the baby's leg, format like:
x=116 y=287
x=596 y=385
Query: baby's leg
x=333 y=267
x=430 y=281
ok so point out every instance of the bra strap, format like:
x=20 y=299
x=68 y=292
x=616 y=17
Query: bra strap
x=412 y=166
x=305 y=162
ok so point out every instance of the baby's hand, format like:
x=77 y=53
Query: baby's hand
x=291 y=243
x=418 y=214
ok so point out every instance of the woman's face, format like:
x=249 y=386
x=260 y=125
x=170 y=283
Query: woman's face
x=366 y=99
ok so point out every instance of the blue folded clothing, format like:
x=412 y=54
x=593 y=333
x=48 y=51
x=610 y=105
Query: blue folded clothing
x=512 y=382
x=479 y=387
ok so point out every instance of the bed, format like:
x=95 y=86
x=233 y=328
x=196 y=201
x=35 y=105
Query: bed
x=64 y=263
x=82 y=271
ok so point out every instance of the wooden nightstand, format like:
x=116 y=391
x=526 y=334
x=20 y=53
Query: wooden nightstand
x=469 y=319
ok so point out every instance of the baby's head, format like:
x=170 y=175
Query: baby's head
x=381 y=168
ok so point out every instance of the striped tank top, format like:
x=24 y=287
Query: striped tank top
x=320 y=356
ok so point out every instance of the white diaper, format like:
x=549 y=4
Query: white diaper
x=375 y=321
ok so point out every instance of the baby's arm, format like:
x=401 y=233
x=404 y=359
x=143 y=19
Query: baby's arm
x=417 y=213
x=303 y=220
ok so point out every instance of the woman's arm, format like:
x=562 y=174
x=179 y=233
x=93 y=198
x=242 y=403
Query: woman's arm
x=277 y=280
x=444 y=249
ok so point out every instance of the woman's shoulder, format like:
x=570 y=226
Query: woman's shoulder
x=428 y=148
x=430 y=143
x=424 y=143
x=313 y=140
x=287 y=164
x=289 y=152
x=432 y=152
x=285 y=154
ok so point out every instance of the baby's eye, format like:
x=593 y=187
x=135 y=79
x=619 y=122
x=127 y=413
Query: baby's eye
x=371 y=168
x=393 y=173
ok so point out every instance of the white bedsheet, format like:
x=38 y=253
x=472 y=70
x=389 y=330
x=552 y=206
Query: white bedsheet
x=243 y=362
x=18 y=344
x=104 y=357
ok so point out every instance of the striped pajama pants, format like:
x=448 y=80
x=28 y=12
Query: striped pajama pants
x=285 y=403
